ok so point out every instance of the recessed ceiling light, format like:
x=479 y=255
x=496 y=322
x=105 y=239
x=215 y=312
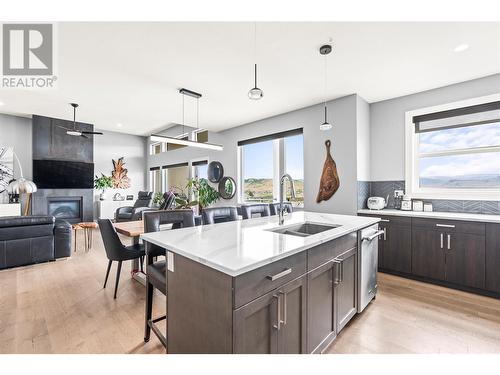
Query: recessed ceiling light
x=461 y=47
x=2 y=103
x=119 y=125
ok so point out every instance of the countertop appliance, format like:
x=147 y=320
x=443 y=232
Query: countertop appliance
x=367 y=265
x=377 y=203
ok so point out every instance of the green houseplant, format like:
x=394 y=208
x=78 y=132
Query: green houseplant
x=102 y=183
x=158 y=199
x=206 y=194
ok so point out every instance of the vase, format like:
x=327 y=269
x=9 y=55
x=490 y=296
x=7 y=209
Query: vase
x=103 y=196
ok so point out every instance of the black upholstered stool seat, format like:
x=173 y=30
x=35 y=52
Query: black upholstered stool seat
x=157 y=275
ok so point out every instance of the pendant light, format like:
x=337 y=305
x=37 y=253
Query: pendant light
x=255 y=93
x=185 y=142
x=325 y=50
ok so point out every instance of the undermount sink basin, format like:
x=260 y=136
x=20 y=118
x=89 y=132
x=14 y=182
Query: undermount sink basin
x=303 y=229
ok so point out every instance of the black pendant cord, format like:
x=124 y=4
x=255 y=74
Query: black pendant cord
x=74 y=118
x=255 y=76
x=325 y=113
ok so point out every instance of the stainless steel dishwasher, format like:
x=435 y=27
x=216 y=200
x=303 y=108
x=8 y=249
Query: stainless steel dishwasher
x=367 y=265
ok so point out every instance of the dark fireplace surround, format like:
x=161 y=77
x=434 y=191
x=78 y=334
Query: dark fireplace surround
x=50 y=142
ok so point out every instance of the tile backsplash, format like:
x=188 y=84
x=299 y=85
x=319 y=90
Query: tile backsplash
x=383 y=188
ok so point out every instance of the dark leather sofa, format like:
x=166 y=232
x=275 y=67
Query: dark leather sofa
x=33 y=239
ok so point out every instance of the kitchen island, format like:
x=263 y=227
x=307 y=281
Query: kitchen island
x=253 y=286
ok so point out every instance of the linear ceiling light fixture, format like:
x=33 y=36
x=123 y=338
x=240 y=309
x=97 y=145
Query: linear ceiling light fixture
x=325 y=50
x=255 y=93
x=186 y=142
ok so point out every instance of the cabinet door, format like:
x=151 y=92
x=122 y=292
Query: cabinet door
x=465 y=259
x=428 y=255
x=397 y=249
x=256 y=326
x=292 y=330
x=382 y=240
x=493 y=257
x=345 y=288
x=320 y=307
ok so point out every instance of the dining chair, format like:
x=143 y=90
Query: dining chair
x=156 y=277
x=248 y=210
x=274 y=208
x=219 y=215
x=116 y=251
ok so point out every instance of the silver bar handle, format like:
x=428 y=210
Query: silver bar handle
x=385 y=234
x=284 y=307
x=442 y=240
x=449 y=241
x=374 y=235
x=445 y=225
x=385 y=220
x=279 y=275
x=278 y=320
x=337 y=271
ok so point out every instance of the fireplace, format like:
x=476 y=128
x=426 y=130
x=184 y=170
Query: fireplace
x=68 y=208
x=72 y=205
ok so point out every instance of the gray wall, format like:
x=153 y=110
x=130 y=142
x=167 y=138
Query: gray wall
x=387 y=118
x=343 y=116
x=113 y=145
x=16 y=132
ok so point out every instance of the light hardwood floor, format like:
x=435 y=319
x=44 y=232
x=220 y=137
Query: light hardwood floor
x=60 y=307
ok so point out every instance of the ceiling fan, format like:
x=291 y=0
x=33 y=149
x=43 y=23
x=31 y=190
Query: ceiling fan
x=75 y=132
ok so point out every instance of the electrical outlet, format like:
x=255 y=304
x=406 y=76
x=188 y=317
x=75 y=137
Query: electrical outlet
x=398 y=193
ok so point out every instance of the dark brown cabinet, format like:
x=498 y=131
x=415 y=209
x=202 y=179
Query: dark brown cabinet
x=320 y=307
x=394 y=246
x=493 y=257
x=273 y=323
x=428 y=256
x=345 y=279
x=465 y=259
x=293 y=324
x=256 y=326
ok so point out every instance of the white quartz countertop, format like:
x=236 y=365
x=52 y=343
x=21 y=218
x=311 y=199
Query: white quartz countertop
x=435 y=215
x=240 y=246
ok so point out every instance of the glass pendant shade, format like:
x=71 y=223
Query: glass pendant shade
x=255 y=93
x=325 y=126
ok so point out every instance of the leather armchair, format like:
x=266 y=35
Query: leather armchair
x=33 y=239
x=132 y=213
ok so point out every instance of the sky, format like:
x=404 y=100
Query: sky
x=259 y=158
x=457 y=165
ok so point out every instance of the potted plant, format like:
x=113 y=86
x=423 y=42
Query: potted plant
x=102 y=183
x=158 y=199
x=205 y=193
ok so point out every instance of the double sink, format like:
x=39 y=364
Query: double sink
x=304 y=229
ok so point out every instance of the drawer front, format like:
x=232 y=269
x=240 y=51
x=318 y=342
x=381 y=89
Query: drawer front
x=451 y=226
x=388 y=219
x=320 y=254
x=256 y=283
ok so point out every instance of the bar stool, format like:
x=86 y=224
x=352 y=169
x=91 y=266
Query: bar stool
x=156 y=272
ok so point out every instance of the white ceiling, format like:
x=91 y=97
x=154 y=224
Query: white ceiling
x=130 y=73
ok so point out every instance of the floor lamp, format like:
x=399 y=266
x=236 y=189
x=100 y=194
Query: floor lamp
x=22 y=186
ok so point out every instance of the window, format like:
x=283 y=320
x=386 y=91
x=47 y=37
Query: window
x=264 y=160
x=155 y=179
x=454 y=153
x=156 y=148
x=173 y=146
x=176 y=178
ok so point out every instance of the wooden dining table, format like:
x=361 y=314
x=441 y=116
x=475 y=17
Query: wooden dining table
x=133 y=230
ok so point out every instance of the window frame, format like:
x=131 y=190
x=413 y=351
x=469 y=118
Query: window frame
x=279 y=168
x=412 y=157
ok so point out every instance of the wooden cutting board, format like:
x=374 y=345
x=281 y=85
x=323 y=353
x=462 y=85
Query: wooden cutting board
x=330 y=181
